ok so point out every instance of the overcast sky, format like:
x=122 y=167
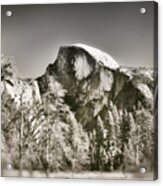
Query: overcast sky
x=34 y=33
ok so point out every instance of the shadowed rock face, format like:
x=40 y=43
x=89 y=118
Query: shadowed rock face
x=92 y=79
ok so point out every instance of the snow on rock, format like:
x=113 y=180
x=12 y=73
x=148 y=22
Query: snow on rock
x=127 y=72
x=22 y=91
x=105 y=84
x=58 y=89
x=149 y=75
x=37 y=91
x=144 y=89
x=101 y=57
x=106 y=80
x=81 y=67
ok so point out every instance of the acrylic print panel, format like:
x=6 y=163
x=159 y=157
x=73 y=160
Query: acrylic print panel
x=79 y=90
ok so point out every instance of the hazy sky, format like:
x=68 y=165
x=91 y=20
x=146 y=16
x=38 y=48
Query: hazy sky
x=34 y=33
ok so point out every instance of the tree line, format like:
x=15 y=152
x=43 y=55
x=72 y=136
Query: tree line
x=46 y=136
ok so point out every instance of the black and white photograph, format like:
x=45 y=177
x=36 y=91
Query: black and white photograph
x=79 y=90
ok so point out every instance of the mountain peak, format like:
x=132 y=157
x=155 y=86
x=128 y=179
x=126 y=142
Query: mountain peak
x=102 y=58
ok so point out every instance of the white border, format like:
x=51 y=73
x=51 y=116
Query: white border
x=56 y=1
x=61 y=182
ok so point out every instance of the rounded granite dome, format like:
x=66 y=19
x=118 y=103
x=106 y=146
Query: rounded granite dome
x=101 y=57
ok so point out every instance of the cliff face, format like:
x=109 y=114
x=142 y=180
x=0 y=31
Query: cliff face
x=92 y=79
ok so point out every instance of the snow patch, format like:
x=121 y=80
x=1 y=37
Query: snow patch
x=149 y=74
x=127 y=72
x=22 y=92
x=106 y=80
x=81 y=67
x=37 y=91
x=59 y=91
x=101 y=57
x=144 y=89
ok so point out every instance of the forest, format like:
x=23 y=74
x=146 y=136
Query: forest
x=47 y=136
